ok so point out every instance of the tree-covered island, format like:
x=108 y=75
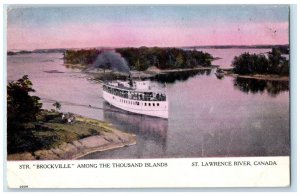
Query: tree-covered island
x=140 y=59
x=164 y=58
x=273 y=63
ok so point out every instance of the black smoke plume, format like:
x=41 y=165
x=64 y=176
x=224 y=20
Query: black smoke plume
x=111 y=60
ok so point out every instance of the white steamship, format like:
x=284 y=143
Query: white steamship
x=137 y=97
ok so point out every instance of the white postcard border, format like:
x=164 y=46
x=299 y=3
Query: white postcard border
x=149 y=173
x=8 y=164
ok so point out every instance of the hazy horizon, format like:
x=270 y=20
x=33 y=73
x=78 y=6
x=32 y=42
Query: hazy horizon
x=30 y=28
x=200 y=46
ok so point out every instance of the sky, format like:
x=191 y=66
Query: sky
x=41 y=27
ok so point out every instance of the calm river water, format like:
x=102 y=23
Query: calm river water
x=208 y=117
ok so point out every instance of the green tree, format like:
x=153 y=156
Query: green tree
x=275 y=57
x=250 y=64
x=179 y=61
x=22 y=110
x=285 y=68
x=57 y=105
x=278 y=64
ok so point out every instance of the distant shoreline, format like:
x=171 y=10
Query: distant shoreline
x=270 y=77
x=237 y=46
x=261 y=77
x=99 y=74
x=153 y=72
x=55 y=50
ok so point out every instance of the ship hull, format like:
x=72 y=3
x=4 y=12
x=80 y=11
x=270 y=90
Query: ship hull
x=149 y=108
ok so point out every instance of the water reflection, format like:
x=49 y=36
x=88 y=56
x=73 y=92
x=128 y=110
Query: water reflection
x=179 y=76
x=149 y=128
x=273 y=88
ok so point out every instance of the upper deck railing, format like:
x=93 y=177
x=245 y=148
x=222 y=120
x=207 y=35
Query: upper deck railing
x=130 y=93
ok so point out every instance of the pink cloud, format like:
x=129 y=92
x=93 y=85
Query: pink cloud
x=121 y=35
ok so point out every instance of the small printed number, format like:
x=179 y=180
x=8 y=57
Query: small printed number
x=23 y=186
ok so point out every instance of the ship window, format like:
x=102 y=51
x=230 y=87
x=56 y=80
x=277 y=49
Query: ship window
x=149 y=104
x=145 y=104
x=153 y=104
x=138 y=103
x=157 y=104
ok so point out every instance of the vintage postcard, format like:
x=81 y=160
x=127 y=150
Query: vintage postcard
x=148 y=96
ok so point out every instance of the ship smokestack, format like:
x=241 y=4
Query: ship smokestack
x=130 y=80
